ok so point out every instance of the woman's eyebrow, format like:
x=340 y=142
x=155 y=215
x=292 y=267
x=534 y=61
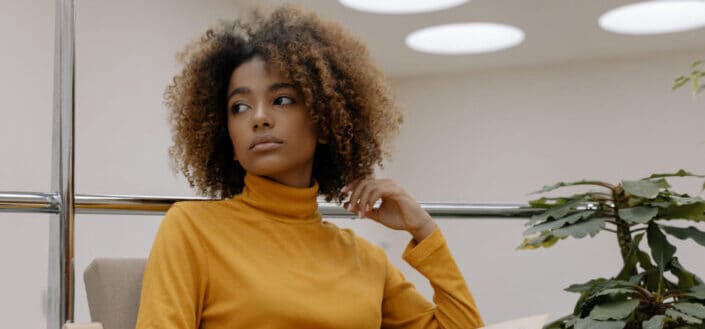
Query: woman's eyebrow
x=273 y=87
x=239 y=90
x=281 y=85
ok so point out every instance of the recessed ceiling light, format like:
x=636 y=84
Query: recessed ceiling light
x=400 y=6
x=464 y=38
x=655 y=17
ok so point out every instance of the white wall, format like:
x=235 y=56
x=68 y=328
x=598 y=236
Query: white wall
x=496 y=136
x=26 y=60
x=482 y=137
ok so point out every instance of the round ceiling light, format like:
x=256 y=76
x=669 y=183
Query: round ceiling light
x=400 y=6
x=464 y=38
x=655 y=17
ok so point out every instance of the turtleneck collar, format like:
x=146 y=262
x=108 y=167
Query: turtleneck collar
x=281 y=202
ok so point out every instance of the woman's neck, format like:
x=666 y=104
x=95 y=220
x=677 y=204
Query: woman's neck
x=279 y=200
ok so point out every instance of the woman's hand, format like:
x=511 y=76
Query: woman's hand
x=398 y=210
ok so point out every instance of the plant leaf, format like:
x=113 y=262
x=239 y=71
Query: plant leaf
x=544 y=240
x=597 y=285
x=614 y=310
x=690 y=232
x=697 y=292
x=636 y=279
x=679 y=173
x=635 y=201
x=616 y=291
x=556 y=212
x=545 y=202
x=642 y=188
x=638 y=215
x=645 y=260
x=694 y=212
x=558 y=324
x=549 y=188
x=661 y=250
x=686 y=279
x=656 y=322
x=679 y=82
x=681 y=201
x=591 y=227
x=588 y=291
x=677 y=315
x=692 y=309
x=659 y=204
x=583 y=287
x=652 y=278
x=592 y=324
x=558 y=223
x=695 y=81
x=662 y=183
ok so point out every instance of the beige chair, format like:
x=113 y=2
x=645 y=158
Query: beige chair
x=113 y=287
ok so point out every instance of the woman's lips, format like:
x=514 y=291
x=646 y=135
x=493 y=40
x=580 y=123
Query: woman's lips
x=264 y=143
x=268 y=146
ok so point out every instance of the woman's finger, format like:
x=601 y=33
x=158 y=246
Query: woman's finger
x=355 y=195
x=347 y=190
x=375 y=195
x=351 y=185
x=364 y=196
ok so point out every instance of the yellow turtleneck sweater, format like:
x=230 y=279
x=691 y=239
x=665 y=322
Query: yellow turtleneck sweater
x=265 y=259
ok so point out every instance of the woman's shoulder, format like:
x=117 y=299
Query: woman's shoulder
x=198 y=207
x=190 y=213
x=349 y=236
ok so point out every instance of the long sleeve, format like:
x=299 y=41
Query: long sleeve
x=404 y=307
x=175 y=278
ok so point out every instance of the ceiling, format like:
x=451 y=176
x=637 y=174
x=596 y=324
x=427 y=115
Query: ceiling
x=557 y=31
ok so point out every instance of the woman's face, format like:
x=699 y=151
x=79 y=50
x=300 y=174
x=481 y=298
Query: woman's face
x=270 y=128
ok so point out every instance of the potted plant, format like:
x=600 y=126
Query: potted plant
x=639 y=295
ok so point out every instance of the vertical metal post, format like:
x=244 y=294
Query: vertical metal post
x=61 y=237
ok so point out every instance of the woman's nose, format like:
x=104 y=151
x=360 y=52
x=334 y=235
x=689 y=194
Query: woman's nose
x=262 y=117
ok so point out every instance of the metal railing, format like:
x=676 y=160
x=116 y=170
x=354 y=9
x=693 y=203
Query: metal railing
x=31 y=202
x=62 y=203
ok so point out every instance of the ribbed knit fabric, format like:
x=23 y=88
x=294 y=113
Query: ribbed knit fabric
x=265 y=259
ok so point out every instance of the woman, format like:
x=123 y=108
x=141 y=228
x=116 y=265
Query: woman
x=267 y=114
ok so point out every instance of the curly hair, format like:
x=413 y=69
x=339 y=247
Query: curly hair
x=347 y=96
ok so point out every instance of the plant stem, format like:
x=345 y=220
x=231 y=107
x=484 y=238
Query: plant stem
x=624 y=234
x=604 y=184
x=624 y=238
x=643 y=292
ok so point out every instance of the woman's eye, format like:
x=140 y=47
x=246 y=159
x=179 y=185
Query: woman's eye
x=283 y=100
x=237 y=108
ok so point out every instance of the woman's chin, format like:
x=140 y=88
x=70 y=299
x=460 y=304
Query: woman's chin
x=264 y=169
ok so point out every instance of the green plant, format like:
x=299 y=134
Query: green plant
x=697 y=72
x=640 y=295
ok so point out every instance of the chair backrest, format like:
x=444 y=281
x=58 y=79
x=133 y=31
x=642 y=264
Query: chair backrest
x=113 y=287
